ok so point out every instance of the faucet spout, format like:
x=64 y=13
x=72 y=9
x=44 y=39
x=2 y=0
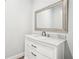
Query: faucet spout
x=43 y=33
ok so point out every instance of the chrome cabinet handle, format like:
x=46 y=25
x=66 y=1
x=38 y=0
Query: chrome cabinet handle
x=33 y=46
x=33 y=54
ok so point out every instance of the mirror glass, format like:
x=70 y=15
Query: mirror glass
x=52 y=18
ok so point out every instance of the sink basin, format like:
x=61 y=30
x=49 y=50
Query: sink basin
x=40 y=36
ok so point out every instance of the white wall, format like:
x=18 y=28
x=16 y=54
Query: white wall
x=38 y=4
x=18 y=22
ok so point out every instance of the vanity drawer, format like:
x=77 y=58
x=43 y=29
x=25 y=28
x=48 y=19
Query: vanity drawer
x=33 y=54
x=29 y=53
x=31 y=44
x=43 y=49
x=41 y=56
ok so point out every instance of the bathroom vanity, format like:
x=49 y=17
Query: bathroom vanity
x=40 y=47
x=51 y=18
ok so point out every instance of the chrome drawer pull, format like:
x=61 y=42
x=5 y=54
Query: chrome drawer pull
x=33 y=46
x=33 y=54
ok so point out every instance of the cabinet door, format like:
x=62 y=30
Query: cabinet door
x=29 y=53
x=40 y=56
x=46 y=50
x=42 y=48
x=33 y=54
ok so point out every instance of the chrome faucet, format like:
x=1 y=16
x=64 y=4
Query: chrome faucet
x=43 y=33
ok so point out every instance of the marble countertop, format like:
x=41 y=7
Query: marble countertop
x=49 y=40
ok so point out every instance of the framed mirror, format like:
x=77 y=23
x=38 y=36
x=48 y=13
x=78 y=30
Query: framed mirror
x=53 y=17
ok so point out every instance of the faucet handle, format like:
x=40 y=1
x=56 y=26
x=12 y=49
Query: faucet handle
x=48 y=35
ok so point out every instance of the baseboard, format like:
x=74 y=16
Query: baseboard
x=16 y=56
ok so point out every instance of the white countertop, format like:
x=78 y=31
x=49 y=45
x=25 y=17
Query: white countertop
x=49 y=40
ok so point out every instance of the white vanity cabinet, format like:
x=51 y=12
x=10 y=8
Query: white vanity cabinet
x=43 y=48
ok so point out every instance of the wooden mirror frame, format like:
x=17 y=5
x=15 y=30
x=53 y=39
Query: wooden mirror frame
x=64 y=19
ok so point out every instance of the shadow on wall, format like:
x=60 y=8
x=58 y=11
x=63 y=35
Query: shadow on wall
x=68 y=54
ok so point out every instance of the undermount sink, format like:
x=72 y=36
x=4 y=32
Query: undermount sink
x=41 y=37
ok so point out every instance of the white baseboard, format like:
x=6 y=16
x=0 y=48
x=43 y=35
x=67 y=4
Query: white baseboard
x=16 y=56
